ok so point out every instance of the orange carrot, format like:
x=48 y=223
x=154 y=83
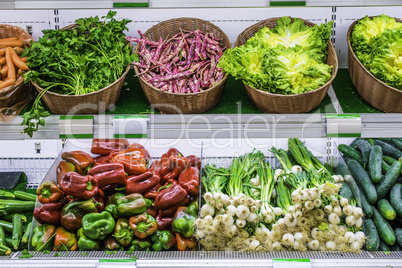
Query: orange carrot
x=11 y=68
x=8 y=39
x=11 y=43
x=4 y=72
x=2 y=52
x=7 y=83
x=3 y=60
x=18 y=50
x=17 y=61
x=24 y=59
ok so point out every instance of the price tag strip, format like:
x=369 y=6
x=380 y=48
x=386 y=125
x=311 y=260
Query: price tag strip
x=344 y=125
x=76 y=126
x=291 y=263
x=130 y=126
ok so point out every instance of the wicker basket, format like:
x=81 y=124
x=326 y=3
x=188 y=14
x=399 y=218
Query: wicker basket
x=380 y=95
x=278 y=103
x=94 y=102
x=13 y=99
x=167 y=102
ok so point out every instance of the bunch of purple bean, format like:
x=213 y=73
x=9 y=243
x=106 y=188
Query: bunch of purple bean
x=185 y=63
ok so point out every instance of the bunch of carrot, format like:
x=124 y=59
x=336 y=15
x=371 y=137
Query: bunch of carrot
x=11 y=64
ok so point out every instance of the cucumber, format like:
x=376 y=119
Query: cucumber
x=25 y=196
x=386 y=210
x=365 y=149
x=353 y=144
x=373 y=239
x=371 y=142
x=2 y=236
x=388 y=149
x=398 y=233
x=388 y=159
x=7 y=226
x=366 y=207
x=397 y=142
x=375 y=161
x=384 y=247
x=363 y=180
x=346 y=191
x=385 y=230
x=17 y=231
x=395 y=198
x=396 y=247
x=384 y=166
x=389 y=179
x=351 y=153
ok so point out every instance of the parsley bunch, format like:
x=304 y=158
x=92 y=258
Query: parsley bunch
x=77 y=61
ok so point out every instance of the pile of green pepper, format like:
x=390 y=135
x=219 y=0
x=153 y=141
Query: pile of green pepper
x=116 y=201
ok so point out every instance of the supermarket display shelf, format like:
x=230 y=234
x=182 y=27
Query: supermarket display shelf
x=205 y=259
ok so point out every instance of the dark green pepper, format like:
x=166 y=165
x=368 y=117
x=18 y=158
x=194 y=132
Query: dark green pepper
x=85 y=243
x=43 y=237
x=163 y=240
x=139 y=244
x=73 y=212
x=183 y=222
x=122 y=232
x=129 y=205
x=98 y=225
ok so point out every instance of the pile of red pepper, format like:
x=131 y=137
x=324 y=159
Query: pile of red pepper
x=116 y=202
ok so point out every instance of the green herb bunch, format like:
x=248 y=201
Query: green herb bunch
x=77 y=61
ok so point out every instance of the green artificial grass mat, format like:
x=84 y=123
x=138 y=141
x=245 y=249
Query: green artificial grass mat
x=133 y=101
x=348 y=97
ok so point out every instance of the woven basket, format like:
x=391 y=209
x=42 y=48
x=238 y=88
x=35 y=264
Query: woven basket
x=13 y=99
x=167 y=102
x=94 y=102
x=278 y=103
x=380 y=95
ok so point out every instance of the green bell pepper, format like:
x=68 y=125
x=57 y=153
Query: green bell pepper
x=129 y=205
x=98 y=225
x=43 y=237
x=123 y=233
x=139 y=244
x=163 y=240
x=183 y=222
x=85 y=243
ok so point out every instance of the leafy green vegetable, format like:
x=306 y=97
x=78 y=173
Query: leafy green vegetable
x=365 y=32
x=25 y=254
x=377 y=43
x=288 y=59
x=294 y=71
x=77 y=61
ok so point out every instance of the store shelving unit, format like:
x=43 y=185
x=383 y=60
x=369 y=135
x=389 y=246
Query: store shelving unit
x=240 y=132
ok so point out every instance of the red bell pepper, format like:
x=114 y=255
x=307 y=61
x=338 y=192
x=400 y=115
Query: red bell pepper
x=139 y=146
x=81 y=160
x=169 y=212
x=152 y=210
x=151 y=194
x=99 y=200
x=63 y=168
x=134 y=160
x=189 y=179
x=106 y=146
x=164 y=223
x=169 y=153
x=171 y=197
x=65 y=240
x=194 y=161
x=156 y=165
x=172 y=167
x=142 y=183
x=102 y=159
x=49 y=213
x=108 y=174
x=78 y=186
